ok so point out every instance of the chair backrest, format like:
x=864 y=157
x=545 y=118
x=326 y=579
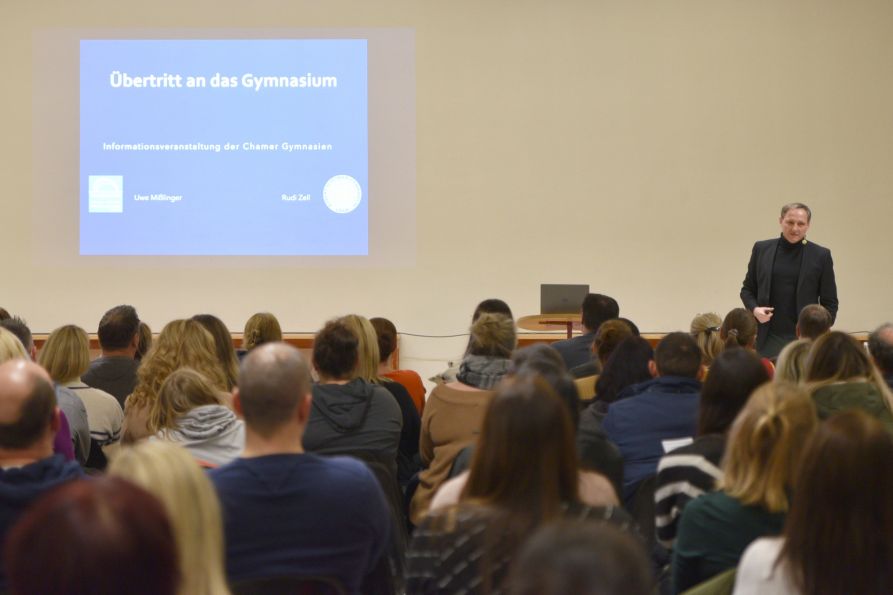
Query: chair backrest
x=586 y=387
x=290 y=585
x=721 y=584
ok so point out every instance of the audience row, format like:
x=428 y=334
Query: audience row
x=599 y=464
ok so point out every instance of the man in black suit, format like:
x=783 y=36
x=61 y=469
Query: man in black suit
x=783 y=276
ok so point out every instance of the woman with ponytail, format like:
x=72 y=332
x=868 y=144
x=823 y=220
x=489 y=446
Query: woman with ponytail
x=764 y=448
x=261 y=328
x=739 y=329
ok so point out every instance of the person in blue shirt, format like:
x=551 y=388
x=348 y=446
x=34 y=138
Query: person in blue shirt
x=287 y=512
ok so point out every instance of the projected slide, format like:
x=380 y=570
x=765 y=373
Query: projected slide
x=224 y=147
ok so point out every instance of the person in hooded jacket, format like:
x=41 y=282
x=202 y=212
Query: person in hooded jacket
x=349 y=415
x=193 y=413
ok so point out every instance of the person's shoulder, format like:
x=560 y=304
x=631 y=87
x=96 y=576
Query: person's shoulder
x=817 y=248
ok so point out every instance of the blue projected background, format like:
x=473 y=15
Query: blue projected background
x=177 y=170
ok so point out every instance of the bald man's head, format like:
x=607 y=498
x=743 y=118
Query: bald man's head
x=273 y=381
x=27 y=404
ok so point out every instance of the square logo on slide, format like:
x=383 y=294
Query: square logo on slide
x=105 y=194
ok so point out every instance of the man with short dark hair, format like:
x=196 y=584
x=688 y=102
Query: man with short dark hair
x=880 y=346
x=661 y=414
x=813 y=322
x=596 y=309
x=114 y=371
x=28 y=422
x=70 y=404
x=287 y=512
x=784 y=275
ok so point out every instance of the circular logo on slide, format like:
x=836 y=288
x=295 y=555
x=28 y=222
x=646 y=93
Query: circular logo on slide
x=342 y=194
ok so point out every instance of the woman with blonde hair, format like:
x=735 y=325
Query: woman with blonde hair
x=171 y=474
x=840 y=375
x=455 y=410
x=11 y=347
x=261 y=328
x=791 y=363
x=193 y=413
x=181 y=343
x=66 y=356
x=705 y=329
x=762 y=452
x=368 y=369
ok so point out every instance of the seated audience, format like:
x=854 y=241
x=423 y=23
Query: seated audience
x=73 y=411
x=658 y=413
x=367 y=369
x=791 y=364
x=838 y=537
x=455 y=410
x=65 y=356
x=705 y=329
x=181 y=344
x=608 y=336
x=194 y=414
x=387 y=345
x=223 y=341
x=94 y=537
x=621 y=371
x=114 y=371
x=595 y=310
x=287 y=513
x=573 y=558
x=880 y=345
x=542 y=361
x=349 y=416
x=523 y=474
x=28 y=468
x=763 y=450
x=145 y=342
x=169 y=473
x=813 y=322
x=739 y=329
x=840 y=375
x=261 y=328
x=12 y=348
x=689 y=471
x=488 y=306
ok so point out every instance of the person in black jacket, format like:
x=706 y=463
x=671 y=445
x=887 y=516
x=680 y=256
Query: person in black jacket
x=783 y=276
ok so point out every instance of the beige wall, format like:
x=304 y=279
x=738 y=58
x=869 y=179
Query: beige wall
x=638 y=146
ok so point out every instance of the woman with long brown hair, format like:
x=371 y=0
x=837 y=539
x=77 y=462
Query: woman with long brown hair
x=523 y=474
x=839 y=533
x=840 y=375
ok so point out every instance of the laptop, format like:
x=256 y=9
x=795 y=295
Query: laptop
x=562 y=298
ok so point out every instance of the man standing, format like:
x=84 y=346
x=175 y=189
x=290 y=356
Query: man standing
x=115 y=370
x=286 y=512
x=28 y=422
x=783 y=276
